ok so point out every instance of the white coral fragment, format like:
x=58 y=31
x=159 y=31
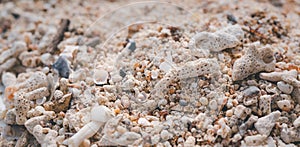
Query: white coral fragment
x=99 y=115
x=278 y=76
x=255 y=60
x=45 y=136
x=190 y=69
x=228 y=37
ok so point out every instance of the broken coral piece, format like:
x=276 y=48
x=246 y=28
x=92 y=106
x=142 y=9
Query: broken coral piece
x=99 y=116
x=228 y=37
x=45 y=136
x=253 y=61
x=264 y=125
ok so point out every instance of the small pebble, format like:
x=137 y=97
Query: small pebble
x=143 y=122
x=100 y=76
x=284 y=105
x=204 y=101
x=284 y=87
x=62 y=66
x=165 y=135
x=93 y=42
x=229 y=113
x=251 y=91
x=164 y=66
x=296 y=123
x=264 y=125
x=183 y=103
x=213 y=105
x=132 y=45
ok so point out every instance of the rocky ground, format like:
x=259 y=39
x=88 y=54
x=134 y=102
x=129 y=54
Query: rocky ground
x=137 y=73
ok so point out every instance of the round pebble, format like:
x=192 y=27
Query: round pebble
x=213 y=105
x=229 y=113
x=165 y=135
x=204 y=101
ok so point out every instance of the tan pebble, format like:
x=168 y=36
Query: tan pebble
x=143 y=122
x=67 y=34
x=229 y=113
x=235 y=102
x=117 y=111
x=85 y=143
x=136 y=129
x=121 y=129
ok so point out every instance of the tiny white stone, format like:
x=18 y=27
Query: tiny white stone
x=264 y=125
x=164 y=66
x=143 y=122
x=284 y=105
x=213 y=105
x=296 y=123
x=100 y=76
x=284 y=87
x=154 y=74
x=165 y=135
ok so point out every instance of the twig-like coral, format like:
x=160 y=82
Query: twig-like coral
x=99 y=116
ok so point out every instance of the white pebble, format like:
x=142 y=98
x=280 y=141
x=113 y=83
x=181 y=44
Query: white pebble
x=143 y=122
x=284 y=87
x=203 y=101
x=154 y=74
x=296 y=123
x=165 y=135
x=284 y=105
x=264 y=125
x=213 y=105
x=100 y=76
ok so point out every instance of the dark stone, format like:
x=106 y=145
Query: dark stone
x=62 y=66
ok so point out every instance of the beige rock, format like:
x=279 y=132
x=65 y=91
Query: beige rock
x=264 y=125
x=254 y=61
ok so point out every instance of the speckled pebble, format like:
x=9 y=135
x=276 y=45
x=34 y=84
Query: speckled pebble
x=264 y=125
x=284 y=105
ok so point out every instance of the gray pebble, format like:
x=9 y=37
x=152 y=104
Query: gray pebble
x=62 y=66
x=251 y=91
x=183 y=103
x=93 y=42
